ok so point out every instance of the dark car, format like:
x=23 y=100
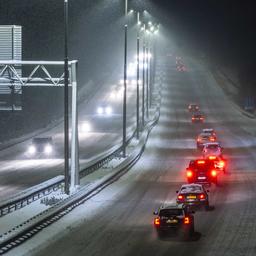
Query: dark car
x=197 y=118
x=193 y=195
x=202 y=171
x=175 y=219
x=41 y=146
x=203 y=138
x=181 y=68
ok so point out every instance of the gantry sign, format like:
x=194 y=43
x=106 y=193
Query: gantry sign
x=45 y=73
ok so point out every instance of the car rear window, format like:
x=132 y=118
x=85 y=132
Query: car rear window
x=170 y=212
x=212 y=146
x=191 y=188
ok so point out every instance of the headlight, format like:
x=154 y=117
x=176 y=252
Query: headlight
x=108 y=110
x=32 y=150
x=113 y=95
x=100 y=110
x=85 y=127
x=48 y=149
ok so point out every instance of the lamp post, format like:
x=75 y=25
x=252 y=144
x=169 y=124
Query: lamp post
x=125 y=79
x=138 y=77
x=66 y=103
x=147 y=80
x=143 y=79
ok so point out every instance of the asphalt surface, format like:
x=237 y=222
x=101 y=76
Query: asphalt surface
x=118 y=221
x=19 y=170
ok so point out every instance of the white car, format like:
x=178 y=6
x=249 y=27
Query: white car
x=212 y=149
x=104 y=110
x=40 y=146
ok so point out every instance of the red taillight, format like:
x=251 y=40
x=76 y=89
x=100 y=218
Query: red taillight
x=221 y=164
x=201 y=118
x=212 y=157
x=202 y=196
x=212 y=139
x=193 y=118
x=180 y=197
x=189 y=173
x=186 y=220
x=214 y=173
x=198 y=139
x=157 y=221
x=200 y=161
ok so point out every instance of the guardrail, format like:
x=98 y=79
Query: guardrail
x=30 y=195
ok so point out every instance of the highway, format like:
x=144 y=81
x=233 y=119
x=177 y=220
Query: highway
x=118 y=220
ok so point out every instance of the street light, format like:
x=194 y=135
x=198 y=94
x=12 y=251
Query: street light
x=125 y=79
x=147 y=74
x=143 y=78
x=66 y=100
x=138 y=76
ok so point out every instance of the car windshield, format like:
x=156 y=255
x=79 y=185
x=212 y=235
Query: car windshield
x=170 y=212
x=41 y=140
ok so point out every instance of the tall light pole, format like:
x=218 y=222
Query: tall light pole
x=126 y=8
x=147 y=82
x=143 y=79
x=125 y=79
x=138 y=76
x=66 y=103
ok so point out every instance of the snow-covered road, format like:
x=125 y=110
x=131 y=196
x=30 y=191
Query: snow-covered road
x=118 y=221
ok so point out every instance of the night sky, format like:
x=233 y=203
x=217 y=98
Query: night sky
x=222 y=30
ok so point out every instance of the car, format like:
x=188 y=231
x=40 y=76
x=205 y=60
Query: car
x=174 y=218
x=192 y=107
x=202 y=171
x=197 y=118
x=212 y=149
x=84 y=127
x=203 y=138
x=104 y=110
x=181 y=68
x=209 y=130
x=220 y=163
x=41 y=146
x=193 y=195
